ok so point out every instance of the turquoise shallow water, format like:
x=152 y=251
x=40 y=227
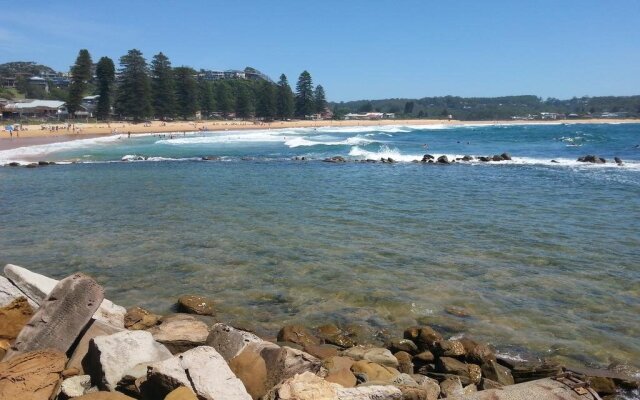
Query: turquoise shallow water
x=544 y=257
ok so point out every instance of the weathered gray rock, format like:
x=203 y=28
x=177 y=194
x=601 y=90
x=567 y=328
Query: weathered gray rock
x=203 y=370
x=10 y=292
x=286 y=362
x=61 y=317
x=229 y=341
x=37 y=287
x=92 y=330
x=180 y=332
x=75 y=386
x=377 y=355
x=110 y=357
x=431 y=386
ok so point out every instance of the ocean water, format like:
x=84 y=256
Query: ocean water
x=544 y=258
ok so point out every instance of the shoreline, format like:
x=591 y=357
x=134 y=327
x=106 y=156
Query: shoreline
x=43 y=134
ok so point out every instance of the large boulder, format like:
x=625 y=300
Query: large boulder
x=180 y=332
x=374 y=372
x=110 y=357
x=37 y=287
x=138 y=318
x=229 y=341
x=181 y=393
x=452 y=366
x=251 y=369
x=297 y=334
x=497 y=373
x=451 y=387
x=31 y=376
x=192 y=304
x=448 y=348
x=407 y=345
x=13 y=318
x=92 y=330
x=61 y=317
x=339 y=371
x=202 y=369
x=373 y=354
x=481 y=354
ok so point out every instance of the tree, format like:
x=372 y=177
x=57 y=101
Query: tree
x=408 y=107
x=134 y=87
x=105 y=75
x=284 y=99
x=305 y=104
x=244 y=102
x=366 y=107
x=80 y=76
x=186 y=92
x=162 y=87
x=206 y=98
x=224 y=98
x=266 y=107
x=319 y=99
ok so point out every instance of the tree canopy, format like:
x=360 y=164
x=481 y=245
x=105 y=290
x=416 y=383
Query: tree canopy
x=134 y=87
x=162 y=87
x=80 y=76
x=305 y=104
x=105 y=77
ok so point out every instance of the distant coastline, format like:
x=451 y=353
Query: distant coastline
x=36 y=135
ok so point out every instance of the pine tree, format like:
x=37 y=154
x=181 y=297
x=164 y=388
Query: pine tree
x=319 y=99
x=266 y=107
x=244 y=102
x=163 y=87
x=80 y=75
x=225 y=99
x=206 y=98
x=305 y=104
x=105 y=75
x=186 y=92
x=284 y=99
x=134 y=87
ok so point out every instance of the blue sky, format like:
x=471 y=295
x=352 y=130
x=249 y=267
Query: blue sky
x=356 y=49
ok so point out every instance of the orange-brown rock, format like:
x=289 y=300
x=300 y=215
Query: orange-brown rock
x=31 y=376
x=104 y=396
x=13 y=317
x=297 y=334
x=251 y=369
x=138 y=318
x=181 y=393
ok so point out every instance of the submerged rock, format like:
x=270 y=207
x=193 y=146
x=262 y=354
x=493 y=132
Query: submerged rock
x=443 y=160
x=592 y=159
x=297 y=334
x=335 y=159
x=192 y=304
x=618 y=160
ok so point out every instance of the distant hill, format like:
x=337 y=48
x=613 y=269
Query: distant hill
x=489 y=108
x=26 y=67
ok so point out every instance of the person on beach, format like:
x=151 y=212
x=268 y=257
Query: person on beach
x=129 y=134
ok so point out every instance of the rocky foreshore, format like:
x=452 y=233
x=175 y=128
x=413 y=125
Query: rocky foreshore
x=426 y=159
x=64 y=340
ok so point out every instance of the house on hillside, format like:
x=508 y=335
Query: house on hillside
x=34 y=109
x=40 y=82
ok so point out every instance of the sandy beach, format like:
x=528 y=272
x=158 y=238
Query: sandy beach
x=47 y=133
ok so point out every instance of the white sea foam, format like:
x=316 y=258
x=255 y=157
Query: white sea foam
x=328 y=141
x=30 y=153
x=384 y=152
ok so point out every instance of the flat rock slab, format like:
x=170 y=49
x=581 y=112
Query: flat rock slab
x=110 y=357
x=37 y=287
x=180 y=332
x=31 y=376
x=377 y=355
x=203 y=370
x=539 y=389
x=61 y=317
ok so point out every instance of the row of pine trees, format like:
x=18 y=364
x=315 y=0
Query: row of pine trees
x=141 y=91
